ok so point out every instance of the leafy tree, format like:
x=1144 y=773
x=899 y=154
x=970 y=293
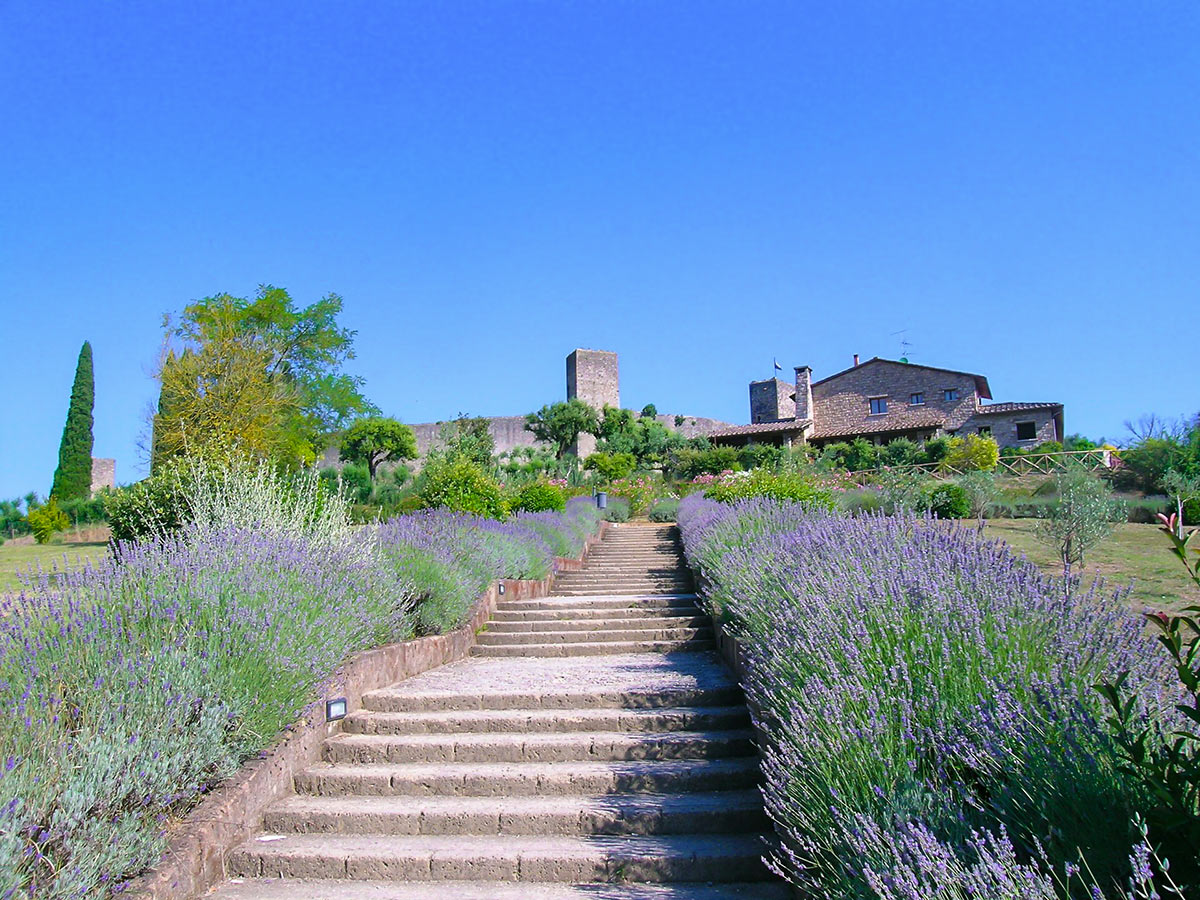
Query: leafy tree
x=560 y=424
x=46 y=521
x=974 y=453
x=220 y=399
x=648 y=440
x=376 y=440
x=649 y=411
x=1082 y=518
x=300 y=354
x=611 y=466
x=73 y=477
x=900 y=452
x=1184 y=489
x=470 y=437
x=1079 y=442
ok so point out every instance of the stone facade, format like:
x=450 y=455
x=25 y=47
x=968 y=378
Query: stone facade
x=104 y=474
x=592 y=377
x=772 y=401
x=842 y=402
x=884 y=399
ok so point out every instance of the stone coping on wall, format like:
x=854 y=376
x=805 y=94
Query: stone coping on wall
x=232 y=812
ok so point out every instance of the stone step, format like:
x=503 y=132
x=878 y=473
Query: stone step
x=594 y=648
x=564 y=623
x=309 y=889
x=604 y=591
x=631 y=585
x=702 y=858
x=545 y=747
x=611 y=600
x=397 y=699
x=498 y=639
x=523 y=779
x=688 y=718
x=581 y=615
x=696 y=813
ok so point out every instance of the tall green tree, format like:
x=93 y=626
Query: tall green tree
x=559 y=424
x=376 y=440
x=73 y=477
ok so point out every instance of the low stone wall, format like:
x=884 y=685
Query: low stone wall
x=232 y=813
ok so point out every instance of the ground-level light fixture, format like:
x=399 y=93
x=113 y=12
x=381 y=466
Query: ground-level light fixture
x=335 y=709
x=501 y=588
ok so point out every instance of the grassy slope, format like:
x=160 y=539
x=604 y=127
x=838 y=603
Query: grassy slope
x=16 y=559
x=1137 y=553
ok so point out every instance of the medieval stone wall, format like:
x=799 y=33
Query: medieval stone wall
x=104 y=474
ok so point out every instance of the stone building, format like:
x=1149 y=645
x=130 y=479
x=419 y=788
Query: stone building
x=104 y=474
x=592 y=376
x=883 y=399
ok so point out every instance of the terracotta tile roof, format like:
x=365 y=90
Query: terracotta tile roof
x=902 y=420
x=998 y=408
x=763 y=428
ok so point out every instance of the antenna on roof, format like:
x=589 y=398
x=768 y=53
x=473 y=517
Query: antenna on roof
x=905 y=346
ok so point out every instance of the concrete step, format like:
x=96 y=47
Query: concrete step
x=523 y=779
x=525 y=721
x=712 y=813
x=397 y=699
x=563 y=859
x=545 y=747
x=611 y=600
x=600 y=633
x=582 y=616
x=309 y=889
x=594 y=648
x=604 y=591
x=564 y=623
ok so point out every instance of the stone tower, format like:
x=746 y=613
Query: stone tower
x=592 y=378
x=772 y=401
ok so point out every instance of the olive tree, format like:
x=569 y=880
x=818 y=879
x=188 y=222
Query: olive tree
x=1081 y=519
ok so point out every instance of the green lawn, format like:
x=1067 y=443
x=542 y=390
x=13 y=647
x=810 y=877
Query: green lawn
x=1134 y=553
x=20 y=558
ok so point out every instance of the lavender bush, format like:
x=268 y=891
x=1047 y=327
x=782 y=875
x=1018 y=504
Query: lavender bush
x=136 y=684
x=924 y=689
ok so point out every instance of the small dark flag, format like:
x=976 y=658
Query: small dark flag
x=778 y=367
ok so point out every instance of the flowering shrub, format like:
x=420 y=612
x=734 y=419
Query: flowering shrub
x=134 y=685
x=765 y=483
x=927 y=700
x=640 y=491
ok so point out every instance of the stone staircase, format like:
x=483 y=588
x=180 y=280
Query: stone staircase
x=573 y=756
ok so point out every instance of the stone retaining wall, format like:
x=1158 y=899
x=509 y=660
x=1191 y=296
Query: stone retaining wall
x=232 y=813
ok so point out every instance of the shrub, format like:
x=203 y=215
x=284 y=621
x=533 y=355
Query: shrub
x=462 y=486
x=947 y=500
x=936 y=449
x=855 y=456
x=752 y=456
x=640 y=491
x=974 y=453
x=154 y=507
x=900 y=489
x=777 y=485
x=47 y=521
x=538 y=496
x=900 y=452
x=861 y=500
x=354 y=481
x=981 y=491
x=617 y=510
x=611 y=466
x=664 y=510
x=89 y=511
x=882 y=658
x=688 y=462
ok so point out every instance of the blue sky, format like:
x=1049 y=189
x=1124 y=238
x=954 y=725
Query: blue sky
x=698 y=186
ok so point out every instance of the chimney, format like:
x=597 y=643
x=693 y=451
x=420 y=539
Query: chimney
x=804 y=404
x=855 y=359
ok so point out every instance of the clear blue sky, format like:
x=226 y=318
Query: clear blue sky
x=699 y=186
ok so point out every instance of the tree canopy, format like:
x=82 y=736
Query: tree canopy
x=73 y=477
x=257 y=374
x=376 y=439
x=560 y=424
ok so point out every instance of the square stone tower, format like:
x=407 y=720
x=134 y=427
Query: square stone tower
x=592 y=377
x=772 y=401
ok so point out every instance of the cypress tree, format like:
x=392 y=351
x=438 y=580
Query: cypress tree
x=73 y=477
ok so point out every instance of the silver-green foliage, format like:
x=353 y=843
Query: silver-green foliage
x=1082 y=518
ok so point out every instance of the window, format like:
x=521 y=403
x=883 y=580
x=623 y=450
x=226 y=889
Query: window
x=917 y=399
x=1027 y=431
x=878 y=406
x=986 y=430
x=950 y=395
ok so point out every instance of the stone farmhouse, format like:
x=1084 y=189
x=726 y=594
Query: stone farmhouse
x=884 y=399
